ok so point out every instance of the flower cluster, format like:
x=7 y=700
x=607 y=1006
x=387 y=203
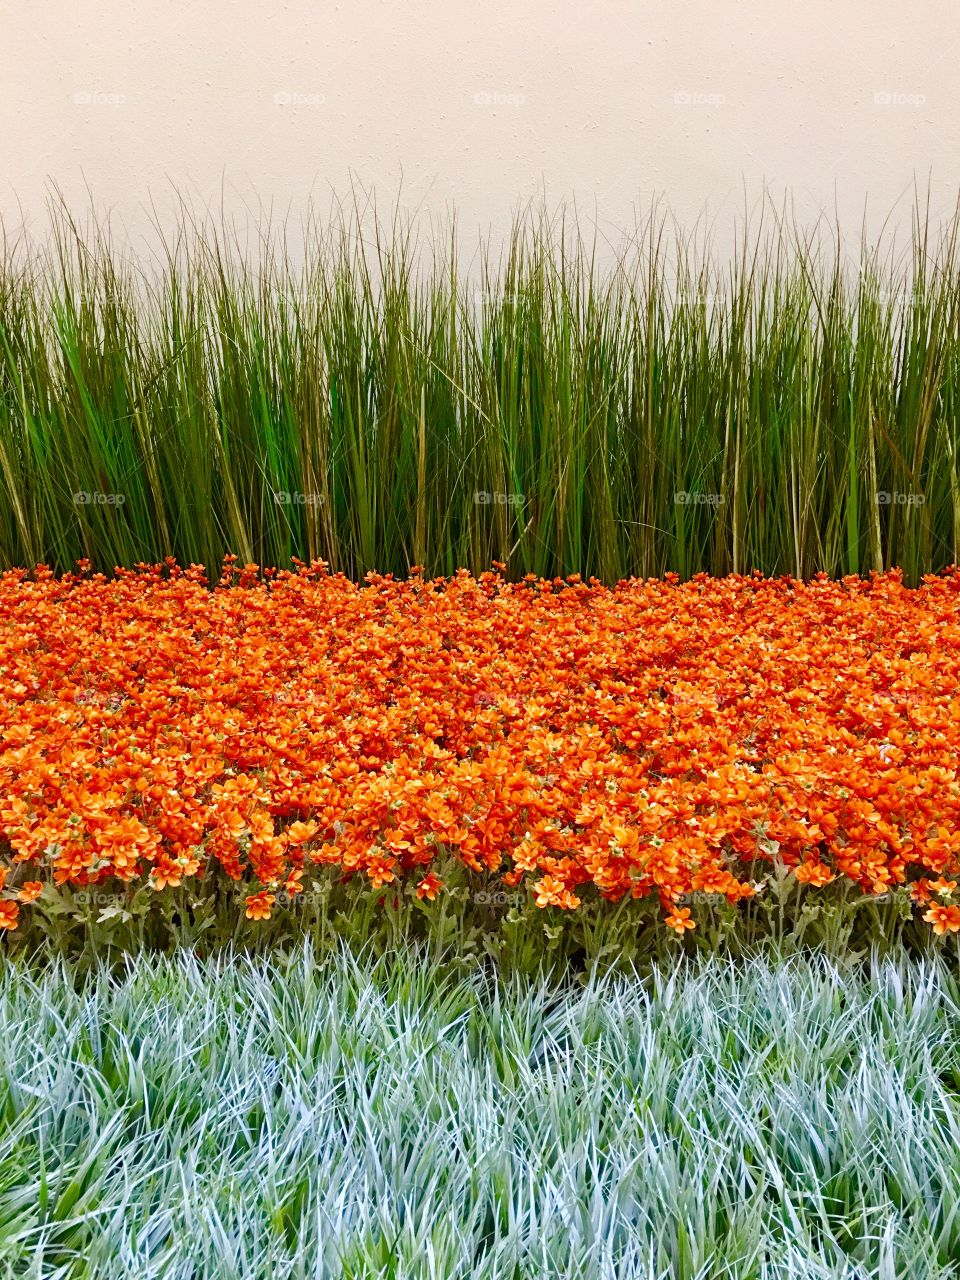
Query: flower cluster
x=655 y=737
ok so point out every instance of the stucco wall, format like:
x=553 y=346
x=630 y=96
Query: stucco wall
x=481 y=105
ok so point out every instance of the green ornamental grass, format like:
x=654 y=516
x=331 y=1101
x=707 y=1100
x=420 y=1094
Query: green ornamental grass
x=362 y=394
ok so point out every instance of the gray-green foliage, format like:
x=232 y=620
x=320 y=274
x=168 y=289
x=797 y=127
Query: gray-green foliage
x=399 y=1118
x=368 y=398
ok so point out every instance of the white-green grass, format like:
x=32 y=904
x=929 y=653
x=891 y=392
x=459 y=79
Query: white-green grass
x=357 y=1119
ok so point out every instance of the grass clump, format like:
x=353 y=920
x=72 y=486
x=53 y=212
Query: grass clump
x=377 y=401
x=400 y=1117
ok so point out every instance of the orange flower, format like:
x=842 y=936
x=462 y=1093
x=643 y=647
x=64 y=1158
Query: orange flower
x=9 y=914
x=547 y=891
x=30 y=890
x=813 y=873
x=679 y=919
x=299 y=832
x=259 y=906
x=232 y=824
x=429 y=886
x=943 y=919
x=920 y=892
x=553 y=893
x=164 y=876
x=380 y=873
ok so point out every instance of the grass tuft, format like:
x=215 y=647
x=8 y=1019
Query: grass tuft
x=786 y=1118
x=377 y=401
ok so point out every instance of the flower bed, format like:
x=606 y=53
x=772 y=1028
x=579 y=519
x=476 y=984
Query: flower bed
x=651 y=738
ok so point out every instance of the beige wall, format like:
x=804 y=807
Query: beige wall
x=481 y=105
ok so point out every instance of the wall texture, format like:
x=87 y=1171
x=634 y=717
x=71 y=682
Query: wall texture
x=481 y=106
